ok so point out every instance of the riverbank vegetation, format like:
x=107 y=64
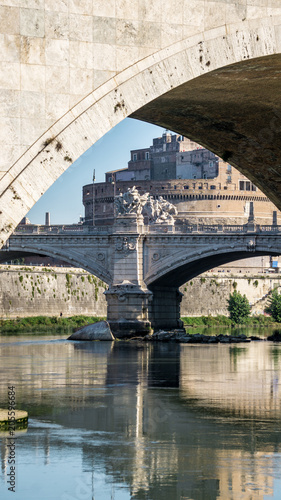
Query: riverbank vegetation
x=258 y=320
x=51 y=325
x=45 y=325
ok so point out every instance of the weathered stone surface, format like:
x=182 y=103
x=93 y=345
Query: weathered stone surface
x=147 y=50
x=95 y=331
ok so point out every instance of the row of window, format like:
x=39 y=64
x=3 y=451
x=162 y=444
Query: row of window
x=146 y=156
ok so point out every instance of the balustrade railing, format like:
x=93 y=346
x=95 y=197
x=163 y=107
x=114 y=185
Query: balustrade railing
x=153 y=228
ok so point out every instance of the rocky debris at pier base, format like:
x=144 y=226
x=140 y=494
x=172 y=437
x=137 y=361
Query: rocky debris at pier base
x=182 y=337
x=275 y=337
x=95 y=331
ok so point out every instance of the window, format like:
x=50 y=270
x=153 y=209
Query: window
x=135 y=157
x=109 y=179
x=186 y=187
x=147 y=155
x=241 y=185
x=229 y=178
x=175 y=187
x=212 y=186
x=194 y=177
x=228 y=168
x=211 y=163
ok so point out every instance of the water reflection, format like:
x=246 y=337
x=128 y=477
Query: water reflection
x=131 y=420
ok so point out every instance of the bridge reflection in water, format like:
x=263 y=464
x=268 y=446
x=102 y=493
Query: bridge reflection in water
x=132 y=420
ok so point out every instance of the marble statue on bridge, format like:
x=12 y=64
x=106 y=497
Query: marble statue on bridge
x=158 y=211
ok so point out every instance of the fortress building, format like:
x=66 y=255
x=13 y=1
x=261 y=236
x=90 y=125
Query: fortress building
x=204 y=188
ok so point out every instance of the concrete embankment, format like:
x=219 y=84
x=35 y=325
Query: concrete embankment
x=34 y=291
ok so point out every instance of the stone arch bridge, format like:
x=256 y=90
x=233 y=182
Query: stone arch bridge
x=144 y=265
x=70 y=70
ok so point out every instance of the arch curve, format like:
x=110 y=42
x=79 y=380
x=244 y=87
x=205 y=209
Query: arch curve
x=72 y=257
x=184 y=269
x=125 y=94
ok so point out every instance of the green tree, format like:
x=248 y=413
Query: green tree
x=238 y=307
x=274 y=308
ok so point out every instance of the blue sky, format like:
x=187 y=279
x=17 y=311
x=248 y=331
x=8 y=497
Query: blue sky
x=64 y=198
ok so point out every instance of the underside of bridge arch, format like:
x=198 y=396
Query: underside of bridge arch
x=165 y=305
x=220 y=87
x=234 y=111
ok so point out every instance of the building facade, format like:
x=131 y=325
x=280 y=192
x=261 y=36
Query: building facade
x=204 y=188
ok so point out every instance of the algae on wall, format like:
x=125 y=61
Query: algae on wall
x=49 y=291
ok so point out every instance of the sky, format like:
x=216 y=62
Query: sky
x=64 y=198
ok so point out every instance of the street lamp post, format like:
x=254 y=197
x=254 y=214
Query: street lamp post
x=93 y=197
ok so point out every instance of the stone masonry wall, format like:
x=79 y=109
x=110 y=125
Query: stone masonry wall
x=207 y=294
x=35 y=291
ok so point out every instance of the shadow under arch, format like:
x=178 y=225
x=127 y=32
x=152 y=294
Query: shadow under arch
x=228 y=48
x=165 y=305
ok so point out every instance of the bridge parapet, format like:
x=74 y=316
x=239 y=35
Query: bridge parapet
x=146 y=229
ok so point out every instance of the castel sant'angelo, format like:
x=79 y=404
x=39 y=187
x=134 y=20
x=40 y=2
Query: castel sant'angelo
x=204 y=188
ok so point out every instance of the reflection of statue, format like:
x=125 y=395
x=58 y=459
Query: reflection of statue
x=157 y=211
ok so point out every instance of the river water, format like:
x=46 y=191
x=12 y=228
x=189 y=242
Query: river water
x=132 y=420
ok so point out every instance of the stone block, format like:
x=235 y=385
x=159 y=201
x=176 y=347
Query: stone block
x=32 y=4
x=104 y=9
x=104 y=30
x=125 y=57
x=56 y=105
x=56 y=25
x=10 y=20
x=32 y=77
x=32 y=50
x=81 y=54
x=81 y=7
x=57 y=79
x=10 y=48
x=172 y=12
x=9 y=103
x=32 y=104
x=32 y=22
x=171 y=33
x=214 y=16
x=193 y=13
x=57 y=52
x=150 y=11
x=30 y=130
x=9 y=130
x=10 y=76
x=80 y=27
x=104 y=57
x=127 y=9
x=81 y=81
x=56 y=5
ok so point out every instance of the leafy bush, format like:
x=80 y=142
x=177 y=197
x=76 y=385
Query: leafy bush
x=274 y=307
x=239 y=307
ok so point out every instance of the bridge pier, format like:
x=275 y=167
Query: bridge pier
x=165 y=308
x=128 y=310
